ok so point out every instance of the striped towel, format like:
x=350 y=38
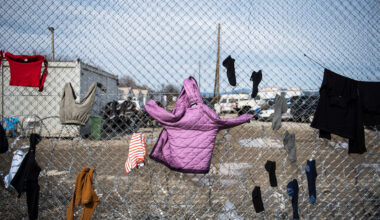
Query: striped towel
x=136 y=152
x=17 y=159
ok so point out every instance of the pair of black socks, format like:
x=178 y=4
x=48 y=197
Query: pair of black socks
x=256 y=77
x=270 y=166
x=292 y=187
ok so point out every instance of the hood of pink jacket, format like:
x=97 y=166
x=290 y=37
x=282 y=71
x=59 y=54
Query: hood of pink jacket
x=187 y=139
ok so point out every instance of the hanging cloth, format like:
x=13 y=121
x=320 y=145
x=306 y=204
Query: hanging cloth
x=84 y=194
x=1 y=56
x=188 y=136
x=136 y=152
x=26 y=70
x=3 y=140
x=74 y=113
x=18 y=157
x=26 y=178
x=345 y=106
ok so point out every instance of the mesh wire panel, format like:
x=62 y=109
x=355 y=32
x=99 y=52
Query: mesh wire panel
x=156 y=45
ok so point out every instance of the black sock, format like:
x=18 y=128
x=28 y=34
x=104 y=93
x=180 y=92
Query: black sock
x=292 y=189
x=256 y=78
x=256 y=199
x=311 y=174
x=270 y=166
x=229 y=63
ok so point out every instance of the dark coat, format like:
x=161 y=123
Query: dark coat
x=3 y=141
x=26 y=178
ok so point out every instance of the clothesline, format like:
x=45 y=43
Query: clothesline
x=313 y=60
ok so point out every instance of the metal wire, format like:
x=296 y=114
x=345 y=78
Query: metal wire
x=160 y=43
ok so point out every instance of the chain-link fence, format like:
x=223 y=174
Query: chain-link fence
x=152 y=46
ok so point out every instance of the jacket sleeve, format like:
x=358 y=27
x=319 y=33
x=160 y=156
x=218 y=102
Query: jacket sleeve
x=229 y=122
x=163 y=116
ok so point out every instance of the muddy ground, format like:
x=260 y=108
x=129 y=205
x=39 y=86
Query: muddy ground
x=347 y=185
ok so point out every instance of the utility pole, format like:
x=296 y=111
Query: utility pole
x=199 y=76
x=51 y=29
x=216 y=87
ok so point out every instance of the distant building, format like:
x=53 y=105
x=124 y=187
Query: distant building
x=126 y=92
x=270 y=93
x=145 y=96
x=27 y=104
x=138 y=99
x=290 y=92
x=139 y=96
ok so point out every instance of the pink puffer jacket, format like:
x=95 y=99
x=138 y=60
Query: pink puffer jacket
x=188 y=136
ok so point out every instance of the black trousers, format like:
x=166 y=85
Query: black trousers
x=344 y=107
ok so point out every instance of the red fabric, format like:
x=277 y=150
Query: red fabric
x=26 y=70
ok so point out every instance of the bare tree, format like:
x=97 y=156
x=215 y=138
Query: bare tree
x=170 y=91
x=127 y=81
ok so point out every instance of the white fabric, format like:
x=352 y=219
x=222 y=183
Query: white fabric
x=16 y=162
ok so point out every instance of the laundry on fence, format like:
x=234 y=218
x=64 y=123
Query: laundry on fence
x=26 y=70
x=26 y=178
x=74 y=113
x=187 y=140
x=84 y=194
x=136 y=154
x=344 y=107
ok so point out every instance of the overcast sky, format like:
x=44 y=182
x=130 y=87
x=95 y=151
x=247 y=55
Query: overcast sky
x=161 y=42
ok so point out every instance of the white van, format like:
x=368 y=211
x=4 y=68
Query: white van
x=228 y=102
